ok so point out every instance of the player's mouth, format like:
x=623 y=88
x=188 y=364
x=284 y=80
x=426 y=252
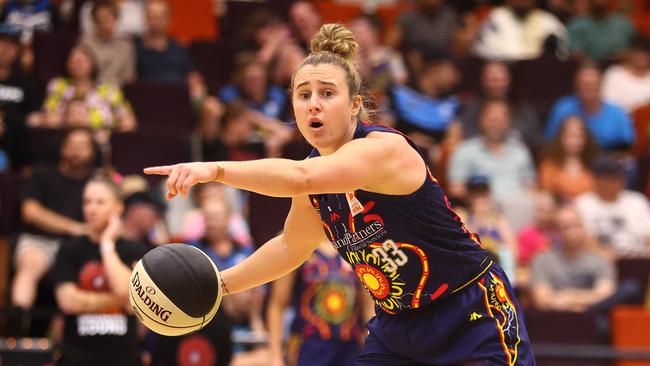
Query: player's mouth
x=315 y=124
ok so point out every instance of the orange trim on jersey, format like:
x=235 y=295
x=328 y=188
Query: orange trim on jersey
x=511 y=355
x=329 y=231
x=425 y=272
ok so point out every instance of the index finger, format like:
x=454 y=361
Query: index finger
x=159 y=170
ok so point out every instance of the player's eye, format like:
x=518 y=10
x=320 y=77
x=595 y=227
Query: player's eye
x=327 y=93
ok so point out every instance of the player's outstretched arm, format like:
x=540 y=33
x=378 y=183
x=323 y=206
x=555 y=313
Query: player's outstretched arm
x=302 y=234
x=357 y=164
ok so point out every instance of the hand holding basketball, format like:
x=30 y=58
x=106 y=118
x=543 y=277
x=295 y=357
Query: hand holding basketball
x=183 y=176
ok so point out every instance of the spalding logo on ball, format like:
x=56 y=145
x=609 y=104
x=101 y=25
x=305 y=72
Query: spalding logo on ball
x=175 y=289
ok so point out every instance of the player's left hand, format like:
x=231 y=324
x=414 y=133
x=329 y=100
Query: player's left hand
x=183 y=176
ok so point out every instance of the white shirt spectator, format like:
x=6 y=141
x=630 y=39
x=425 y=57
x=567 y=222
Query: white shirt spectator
x=505 y=36
x=130 y=23
x=623 y=224
x=627 y=90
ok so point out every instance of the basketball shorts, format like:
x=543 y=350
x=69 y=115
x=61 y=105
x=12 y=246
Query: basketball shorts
x=317 y=352
x=481 y=325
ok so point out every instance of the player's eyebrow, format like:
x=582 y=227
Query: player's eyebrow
x=319 y=81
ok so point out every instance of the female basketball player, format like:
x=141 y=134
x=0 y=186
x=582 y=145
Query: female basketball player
x=439 y=299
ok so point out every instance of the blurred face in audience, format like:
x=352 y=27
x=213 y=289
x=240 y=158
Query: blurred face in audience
x=496 y=80
x=80 y=63
x=78 y=151
x=105 y=21
x=216 y=214
x=599 y=7
x=253 y=81
x=438 y=79
x=571 y=229
x=430 y=7
x=305 y=19
x=364 y=33
x=609 y=186
x=142 y=216
x=99 y=204
x=495 y=122
x=8 y=52
x=521 y=7
x=588 y=85
x=639 y=59
x=545 y=208
x=76 y=114
x=573 y=136
x=157 y=17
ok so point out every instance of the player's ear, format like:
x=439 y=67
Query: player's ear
x=357 y=102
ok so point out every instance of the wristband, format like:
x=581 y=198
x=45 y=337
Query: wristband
x=220 y=173
x=106 y=246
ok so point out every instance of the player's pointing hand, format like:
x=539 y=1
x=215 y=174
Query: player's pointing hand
x=183 y=176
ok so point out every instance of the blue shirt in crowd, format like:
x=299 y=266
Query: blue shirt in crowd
x=611 y=126
x=276 y=100
x=238 y=254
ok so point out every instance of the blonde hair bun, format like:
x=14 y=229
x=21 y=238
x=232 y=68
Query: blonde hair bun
x=335 y=38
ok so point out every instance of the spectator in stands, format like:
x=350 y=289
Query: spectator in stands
x=160 y=58
x=29 y=16
x=130 y=22
x=243 y=134
x=617 y=217
x=289 y=58
x=427 y=30
x=108 y=109
x=17 y=102
x=542 y=234
x=114 y=55
x=565 y=168
x=244 y=309
x=496 y=84
x=519 y=30
x=250 y=85
x=628 y=84
x=265 y=34
x=217 y=242
x=194 y=224
x=571 y=277
x=484 y=218
x=305 y=22
x=607 y=122
x=426 y=113
x=599 y=34
x=143 y=220
x=328 y=307
x=495 y=154
x=51 y=210
x=380 y=65
x=562 y=9
x=91 y=277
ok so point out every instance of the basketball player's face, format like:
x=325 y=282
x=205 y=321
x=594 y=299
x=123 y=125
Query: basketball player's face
x=325 y=112
x=99 y=204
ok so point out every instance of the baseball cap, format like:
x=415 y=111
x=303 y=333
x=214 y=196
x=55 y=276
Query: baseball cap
x=606 y=165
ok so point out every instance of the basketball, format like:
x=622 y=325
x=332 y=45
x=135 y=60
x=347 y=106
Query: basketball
x=175 y=289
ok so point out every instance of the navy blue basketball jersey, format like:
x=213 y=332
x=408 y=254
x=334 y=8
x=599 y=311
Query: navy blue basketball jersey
x=407 y=250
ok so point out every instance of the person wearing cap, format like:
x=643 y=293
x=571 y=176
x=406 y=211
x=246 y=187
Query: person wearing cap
x=143 y=220
x=618 y=218
x=484 y=218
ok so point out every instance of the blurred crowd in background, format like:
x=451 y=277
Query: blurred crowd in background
x=533 y=115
